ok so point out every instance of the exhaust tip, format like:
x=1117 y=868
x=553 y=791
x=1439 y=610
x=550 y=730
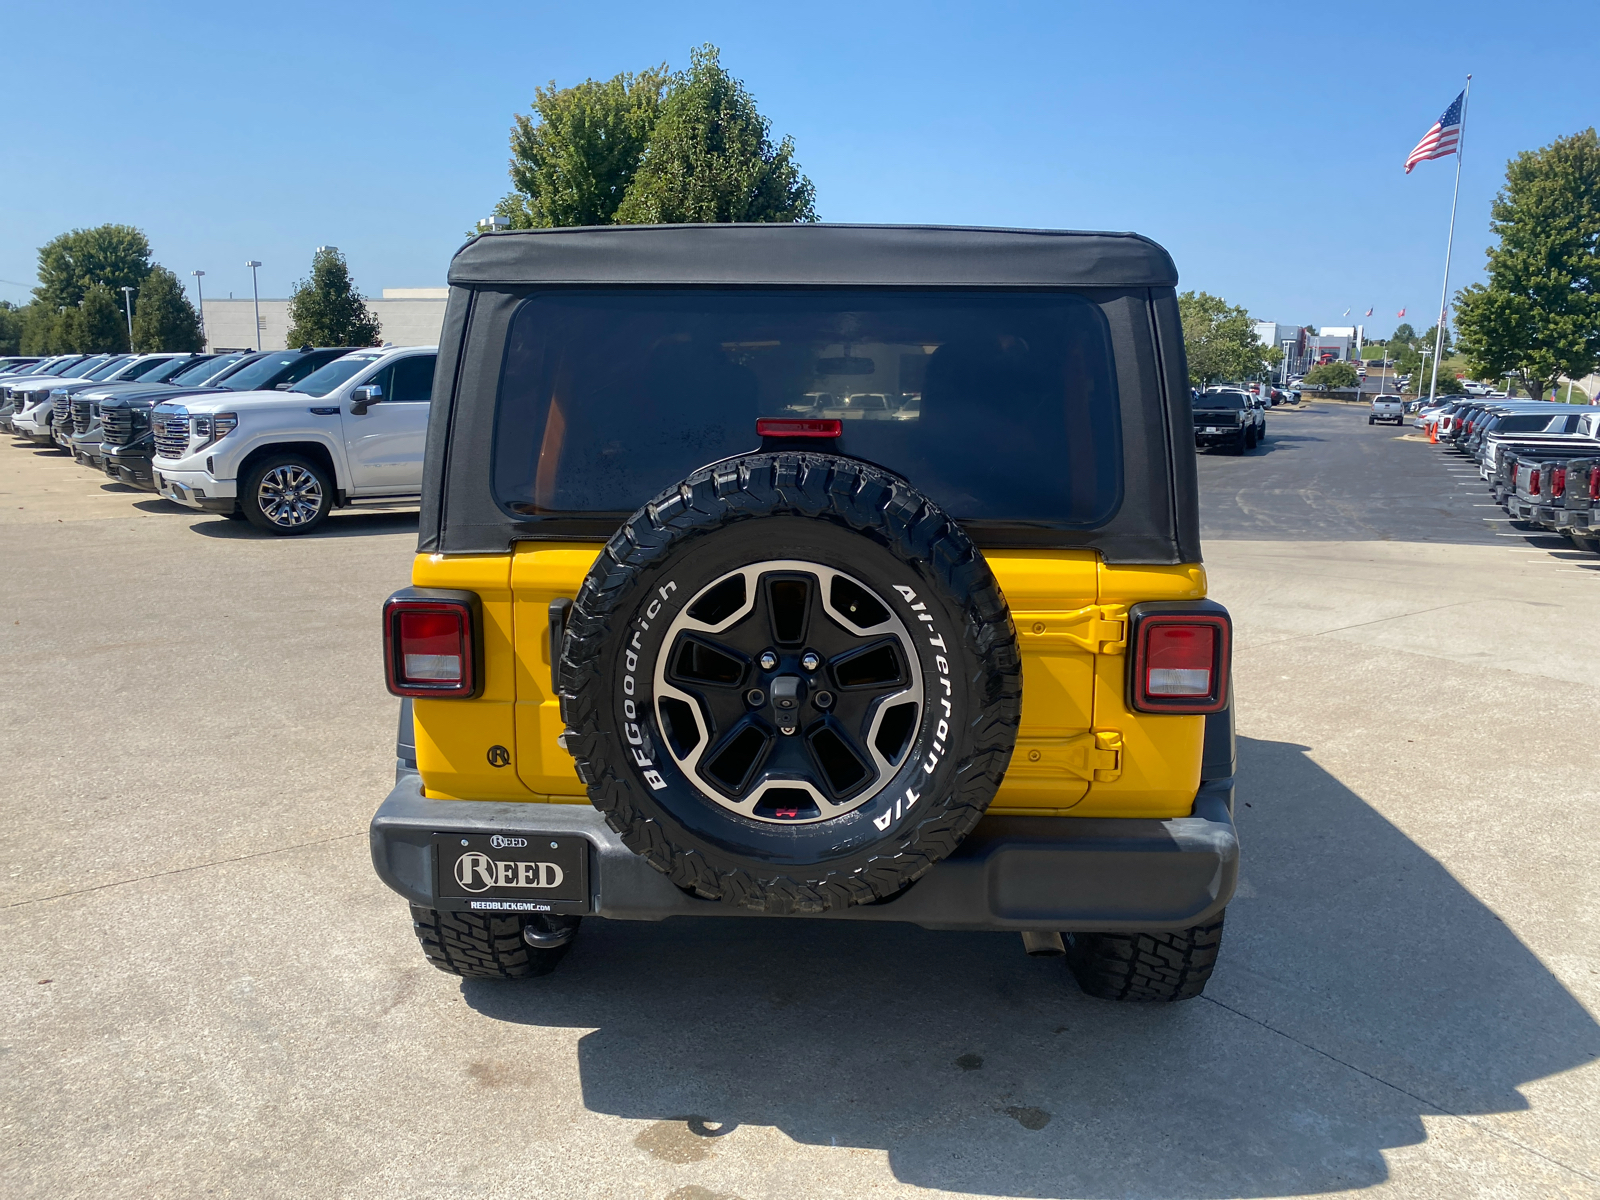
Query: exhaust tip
x=1047 y=944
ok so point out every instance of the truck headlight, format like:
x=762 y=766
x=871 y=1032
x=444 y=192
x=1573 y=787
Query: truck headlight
x=212 y=427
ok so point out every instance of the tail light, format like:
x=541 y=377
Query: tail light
x=1558 y=482
x=1533 y=481
x=799 y=427
x=1594 y=483
x=431 y=643
x=1181 y=658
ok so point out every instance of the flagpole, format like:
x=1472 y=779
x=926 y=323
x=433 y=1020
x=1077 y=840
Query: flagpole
x=1444 y=290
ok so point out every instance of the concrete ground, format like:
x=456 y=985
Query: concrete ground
x=207 y=992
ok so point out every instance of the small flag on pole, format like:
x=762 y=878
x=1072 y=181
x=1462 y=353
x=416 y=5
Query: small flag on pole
x=1369 y=312
x=1345 y=313
x=1440 y=141
x=1401 y=313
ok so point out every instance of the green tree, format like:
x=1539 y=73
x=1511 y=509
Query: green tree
x=38 y=329
x=1331 y=375
x=1219 y=340
x=103 y=327
x=1538 y=316
x=12 y=318
x=163 y=317
x=1403 y=333
x=709 y=158
x=325 y=309
x=574 y=155
x=112 y=255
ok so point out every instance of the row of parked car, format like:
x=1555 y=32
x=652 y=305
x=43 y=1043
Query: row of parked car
x=1540 y=460
x=278 y=438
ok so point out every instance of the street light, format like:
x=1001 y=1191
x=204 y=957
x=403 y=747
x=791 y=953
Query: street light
x=492 y=224
x=256 y=291
x=201 y=297
x=1288 y=347
x=1426 y=354
x=127 y=307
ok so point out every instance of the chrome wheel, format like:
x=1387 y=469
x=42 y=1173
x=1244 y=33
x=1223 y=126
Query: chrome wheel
x=289 y=496
x=789 y=692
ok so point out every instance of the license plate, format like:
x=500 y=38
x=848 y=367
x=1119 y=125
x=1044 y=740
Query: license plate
x=512 y=872
x=1212 y=429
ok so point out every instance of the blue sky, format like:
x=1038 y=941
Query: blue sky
x=1261 y=144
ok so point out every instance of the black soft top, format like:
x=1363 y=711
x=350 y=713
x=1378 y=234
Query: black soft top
x=1130 y=279
x=878 y=255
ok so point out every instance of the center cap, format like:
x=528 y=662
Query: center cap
x=787 y=692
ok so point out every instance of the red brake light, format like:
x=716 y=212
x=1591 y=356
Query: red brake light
x=1558 y=482
x=428 y=647
x=1594 y=483
x=799 y=427
x=1181 y=663
x=1533 y=481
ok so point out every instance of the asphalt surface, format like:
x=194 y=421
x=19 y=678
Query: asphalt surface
x=207 y=991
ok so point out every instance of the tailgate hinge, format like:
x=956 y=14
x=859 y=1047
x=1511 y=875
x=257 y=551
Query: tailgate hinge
x=1096 y=629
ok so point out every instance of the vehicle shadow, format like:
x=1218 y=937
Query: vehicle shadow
x=355 y=524
x=155 y=504
x=1361 y=988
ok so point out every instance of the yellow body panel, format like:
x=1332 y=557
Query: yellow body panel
x=1080 y=750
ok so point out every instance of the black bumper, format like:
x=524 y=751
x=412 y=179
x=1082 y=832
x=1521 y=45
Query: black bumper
x=1011 y=873
x=128 y=464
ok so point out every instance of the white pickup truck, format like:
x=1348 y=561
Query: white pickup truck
x=1387 y=408
x=349 y=432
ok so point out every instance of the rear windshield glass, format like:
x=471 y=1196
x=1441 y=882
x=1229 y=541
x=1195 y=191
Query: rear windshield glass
x=1221 y=400
x=1000 y=406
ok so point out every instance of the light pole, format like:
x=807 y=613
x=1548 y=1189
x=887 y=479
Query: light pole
x=1426 y=355
x=127 y=307
x=201 y=297
x=493 y=224
x=256 y=292
x=1288 y=346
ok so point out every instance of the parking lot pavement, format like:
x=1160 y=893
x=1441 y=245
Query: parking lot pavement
x=207 y=991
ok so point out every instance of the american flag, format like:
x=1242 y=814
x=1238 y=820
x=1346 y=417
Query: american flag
x=1440 y=141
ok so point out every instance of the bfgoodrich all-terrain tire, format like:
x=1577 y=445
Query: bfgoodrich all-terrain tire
x=1145 y=966
x=481 y=947
x=791 y=683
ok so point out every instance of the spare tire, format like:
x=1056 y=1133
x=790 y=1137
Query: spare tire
x=791 y=683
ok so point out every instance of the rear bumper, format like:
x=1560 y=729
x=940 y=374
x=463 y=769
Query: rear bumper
x=1011 y=873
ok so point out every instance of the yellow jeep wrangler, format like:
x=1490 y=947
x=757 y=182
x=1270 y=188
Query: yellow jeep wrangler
x=787 y=571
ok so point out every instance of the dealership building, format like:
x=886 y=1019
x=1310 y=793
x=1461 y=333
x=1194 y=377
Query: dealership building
x=406 y=316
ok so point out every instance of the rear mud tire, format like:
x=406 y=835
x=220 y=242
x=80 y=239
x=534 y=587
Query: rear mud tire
x=838 y=513
x=481 y=947
x=1145 y=967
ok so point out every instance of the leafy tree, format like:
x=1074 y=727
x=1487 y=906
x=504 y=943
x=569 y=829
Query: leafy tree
x=1405 y=334
x=709 y=158
x=102 y=325
x=1331 y=375
x=574 y=155
x=112 y=255
x=163 y=317
x=1219 y=339
x=1538 y=317
x=12 y=317
x=325 y=309
x=38 y=329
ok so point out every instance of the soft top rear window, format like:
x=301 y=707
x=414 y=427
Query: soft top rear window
x=1001 y=406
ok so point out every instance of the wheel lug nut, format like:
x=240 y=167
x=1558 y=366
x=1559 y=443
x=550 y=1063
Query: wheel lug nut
x=768 y=660
x=809 y=661
x=823 y=700
x=756 y=697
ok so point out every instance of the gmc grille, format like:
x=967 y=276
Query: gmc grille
x=82 y=416
x=61 y=410
x=172 y=436
x=116 y=426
